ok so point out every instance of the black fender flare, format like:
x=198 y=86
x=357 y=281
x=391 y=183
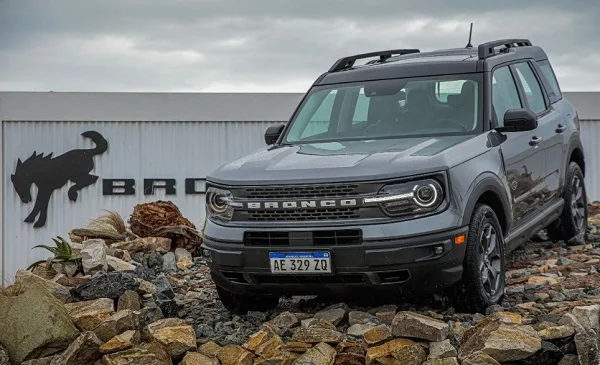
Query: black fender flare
x=484 y=183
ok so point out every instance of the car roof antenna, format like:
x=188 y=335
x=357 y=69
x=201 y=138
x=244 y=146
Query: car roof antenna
x=469 y=45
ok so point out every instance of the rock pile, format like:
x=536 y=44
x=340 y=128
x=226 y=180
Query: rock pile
x=156 y=304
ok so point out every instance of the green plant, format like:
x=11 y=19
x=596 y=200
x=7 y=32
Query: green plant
x=62 y=252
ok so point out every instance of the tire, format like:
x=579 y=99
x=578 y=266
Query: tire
x=241 y=304
x=478 y=288
x=572 y=224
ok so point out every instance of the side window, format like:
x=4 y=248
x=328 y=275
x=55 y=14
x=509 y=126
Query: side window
x=551 y=77
x=445 y=88
x=532 y=88
x=362 y=108
x=504 y=93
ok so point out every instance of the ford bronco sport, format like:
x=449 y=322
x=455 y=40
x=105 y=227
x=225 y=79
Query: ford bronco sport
x=410 y=173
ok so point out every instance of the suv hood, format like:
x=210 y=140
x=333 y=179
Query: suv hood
x=339 y=161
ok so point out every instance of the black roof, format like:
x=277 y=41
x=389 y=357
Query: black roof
x=411 y=62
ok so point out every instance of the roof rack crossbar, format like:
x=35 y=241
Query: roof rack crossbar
x=348 y=61
x=486 y=50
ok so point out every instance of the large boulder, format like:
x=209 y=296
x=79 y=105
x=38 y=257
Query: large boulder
x=26 y=278
x=38 y=324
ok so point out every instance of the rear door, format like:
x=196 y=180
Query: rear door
x=551 y=125
x=524 y=160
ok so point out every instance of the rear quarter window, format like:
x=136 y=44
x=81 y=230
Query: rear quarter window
x=554 y=93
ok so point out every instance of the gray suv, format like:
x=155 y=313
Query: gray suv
x=410 y=173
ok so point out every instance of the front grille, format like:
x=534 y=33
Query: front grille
x=315 y=238
x=310 y=279
x=301 y=192
x=304 y=214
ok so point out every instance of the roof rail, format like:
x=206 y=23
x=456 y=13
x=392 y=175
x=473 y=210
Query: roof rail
x=348 y=61
x=486 y=50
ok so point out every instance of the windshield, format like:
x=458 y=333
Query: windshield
x=409 y=107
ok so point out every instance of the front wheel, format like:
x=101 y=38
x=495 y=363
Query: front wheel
x=242 y=304
x=483 y=279
x=572 y=224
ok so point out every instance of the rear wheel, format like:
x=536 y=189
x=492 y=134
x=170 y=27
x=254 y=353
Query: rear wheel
x=572 y=224
x=241 y=304
x=483 y=279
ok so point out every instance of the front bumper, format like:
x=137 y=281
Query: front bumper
x=397 y=266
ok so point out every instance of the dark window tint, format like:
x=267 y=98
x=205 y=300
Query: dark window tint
x=551 y=77
x=504 y=93
x=532 y=88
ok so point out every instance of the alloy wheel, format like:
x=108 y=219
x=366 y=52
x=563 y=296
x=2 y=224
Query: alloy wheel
x=491 y=262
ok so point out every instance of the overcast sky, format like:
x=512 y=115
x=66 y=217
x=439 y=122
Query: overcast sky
x=262 y=45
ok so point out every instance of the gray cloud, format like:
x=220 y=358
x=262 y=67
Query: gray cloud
x=263 y=45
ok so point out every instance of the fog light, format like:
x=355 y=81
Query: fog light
x=438 y=250
x=206 y=254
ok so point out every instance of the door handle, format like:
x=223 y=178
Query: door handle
x=561 y=128
x=535 y=141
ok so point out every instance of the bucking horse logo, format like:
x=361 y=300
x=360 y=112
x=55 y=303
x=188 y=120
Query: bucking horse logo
x=50 y=173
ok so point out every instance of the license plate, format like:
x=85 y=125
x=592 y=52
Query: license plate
x=300 y=262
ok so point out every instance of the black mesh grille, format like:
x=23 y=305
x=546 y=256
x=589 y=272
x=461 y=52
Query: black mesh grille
x=304 y=214
x=287 y=192
x=315 y=238
x=310 y=279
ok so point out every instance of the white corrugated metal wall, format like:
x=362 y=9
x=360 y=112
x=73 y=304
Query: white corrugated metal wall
x=590 y=136
x=136 y=150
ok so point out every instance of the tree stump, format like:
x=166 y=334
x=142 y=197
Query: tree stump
x=163 y=219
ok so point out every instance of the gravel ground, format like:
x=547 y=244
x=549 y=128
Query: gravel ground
x=543 y=280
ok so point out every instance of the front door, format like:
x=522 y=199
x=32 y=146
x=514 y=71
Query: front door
x=523 y=157
x=551 y=125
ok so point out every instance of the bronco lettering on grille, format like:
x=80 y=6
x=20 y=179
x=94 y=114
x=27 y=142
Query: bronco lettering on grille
x=328 y=203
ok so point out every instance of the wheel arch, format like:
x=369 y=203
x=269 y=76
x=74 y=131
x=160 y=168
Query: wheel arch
x=489 y=190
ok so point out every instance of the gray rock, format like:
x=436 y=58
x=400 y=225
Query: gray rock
x=317 y=334
x=83 y=351
x=515 y=289
x=441 y=349
x=93 y=256
x=284 y=321
x=116 y=264
x=588 y=317
x=409 y=324
x=569 y=359
x=183 y=258
x=359 y=329
x=129 y=300
x=333 y=316
x=164 y=296
x=358 y=317
x=588 y=350
x=169 y=264
x=106 y=285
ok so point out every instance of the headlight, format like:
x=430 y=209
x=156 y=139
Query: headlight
x=417 y=197
x=219 y=203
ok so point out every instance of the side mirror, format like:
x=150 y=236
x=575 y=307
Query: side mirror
x=273 y=132
x=519 y=120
